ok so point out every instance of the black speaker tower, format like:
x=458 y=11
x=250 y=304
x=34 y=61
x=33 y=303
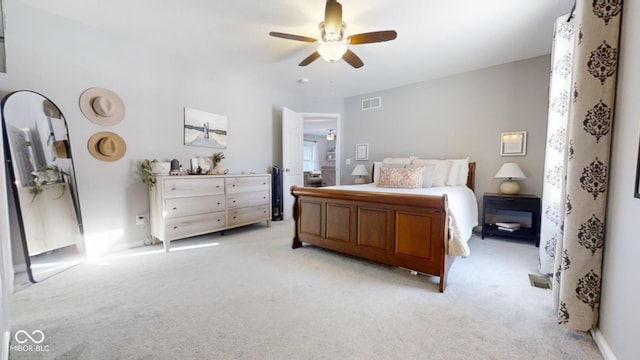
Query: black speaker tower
x=276 y=194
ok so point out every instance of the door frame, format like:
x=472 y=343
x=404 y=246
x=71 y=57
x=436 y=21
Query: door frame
x=339 y=136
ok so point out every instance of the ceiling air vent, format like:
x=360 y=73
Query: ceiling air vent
x=372 y=103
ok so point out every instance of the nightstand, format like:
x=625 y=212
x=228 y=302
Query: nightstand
x=496 y=205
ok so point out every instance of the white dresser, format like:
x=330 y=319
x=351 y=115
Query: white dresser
x=190 y=205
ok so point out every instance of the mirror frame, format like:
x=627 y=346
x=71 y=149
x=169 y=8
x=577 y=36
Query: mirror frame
x=10 y=180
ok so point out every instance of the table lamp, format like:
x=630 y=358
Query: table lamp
x=360 y=171
x=510 y=172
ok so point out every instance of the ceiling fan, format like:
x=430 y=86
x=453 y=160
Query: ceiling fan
x=333 y=44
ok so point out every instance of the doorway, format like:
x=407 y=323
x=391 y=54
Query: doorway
x=320 y=151
x=294 y=127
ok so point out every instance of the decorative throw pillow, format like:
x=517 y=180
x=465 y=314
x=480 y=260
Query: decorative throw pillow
x=380 y=164
x=400 y=177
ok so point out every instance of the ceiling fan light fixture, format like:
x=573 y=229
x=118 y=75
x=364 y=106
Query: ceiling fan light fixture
x=330 y=33
x=331 y=136
x=333 y=45
x=332 y=51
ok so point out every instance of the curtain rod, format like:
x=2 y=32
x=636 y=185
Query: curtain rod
x=573 y=10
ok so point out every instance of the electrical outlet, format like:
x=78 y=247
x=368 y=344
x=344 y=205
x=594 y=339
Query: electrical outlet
x=140 y=219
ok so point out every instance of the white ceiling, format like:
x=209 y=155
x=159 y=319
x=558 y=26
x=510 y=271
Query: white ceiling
x=435 y=38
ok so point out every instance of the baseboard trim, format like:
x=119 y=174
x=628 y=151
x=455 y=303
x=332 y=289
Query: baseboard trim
x=602 y=344
x=6 y=337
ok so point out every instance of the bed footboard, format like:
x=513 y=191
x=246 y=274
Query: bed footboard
x=408 y=231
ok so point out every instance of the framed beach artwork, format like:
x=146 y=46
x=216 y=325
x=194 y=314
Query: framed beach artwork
x=206 y=129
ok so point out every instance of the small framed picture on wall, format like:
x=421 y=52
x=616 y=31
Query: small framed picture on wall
x=362 y=152
x=513 y=143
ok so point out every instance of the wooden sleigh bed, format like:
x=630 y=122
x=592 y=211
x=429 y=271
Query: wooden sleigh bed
x=409 y=231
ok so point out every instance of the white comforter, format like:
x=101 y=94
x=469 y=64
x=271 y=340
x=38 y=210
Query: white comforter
x=463 y=211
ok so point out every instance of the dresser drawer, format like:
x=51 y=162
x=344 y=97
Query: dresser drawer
x=247 y=184
x=177 y=207
x=177 y=228
x=181 y=187
x=236 y=200
x=248 y=215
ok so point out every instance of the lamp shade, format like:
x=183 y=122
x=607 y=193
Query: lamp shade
x=510 y=171
x=360 y=170
x=332 y=51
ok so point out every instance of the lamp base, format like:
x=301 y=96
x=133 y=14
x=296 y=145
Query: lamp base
x=509 y=187
x=359 y=180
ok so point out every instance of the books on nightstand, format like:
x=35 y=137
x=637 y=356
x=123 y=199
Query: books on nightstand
x=508 y=226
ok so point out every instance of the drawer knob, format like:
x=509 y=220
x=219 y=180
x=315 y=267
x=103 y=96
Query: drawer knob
x=218 y=203
x=173 y=187
x=175 y=208
x=175 y=227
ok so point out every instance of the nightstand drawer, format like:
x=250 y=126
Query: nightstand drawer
x=512 y=203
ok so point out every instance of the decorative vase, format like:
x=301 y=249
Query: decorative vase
x=160 y=168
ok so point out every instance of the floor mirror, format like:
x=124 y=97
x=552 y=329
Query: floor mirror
x=41 y=176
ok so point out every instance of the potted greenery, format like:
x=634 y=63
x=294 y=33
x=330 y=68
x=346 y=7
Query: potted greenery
x=217 y=163
x=50 y=174
x=146 y=172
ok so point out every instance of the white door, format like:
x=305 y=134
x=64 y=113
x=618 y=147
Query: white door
x=292 y=145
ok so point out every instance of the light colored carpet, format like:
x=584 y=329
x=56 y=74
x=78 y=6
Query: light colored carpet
x=252 y=297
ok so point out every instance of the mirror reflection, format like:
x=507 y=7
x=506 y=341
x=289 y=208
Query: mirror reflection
x=42 y=178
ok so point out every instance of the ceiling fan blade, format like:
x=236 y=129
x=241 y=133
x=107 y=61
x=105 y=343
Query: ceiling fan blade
x=309 y=59
x=352 y=59
x=372 y=37
x=292 y=37
x=333 y=17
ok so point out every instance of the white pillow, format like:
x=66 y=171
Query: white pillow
x=376 y=170
x=427 y=174
x=403 y=161
x=458 y=173
x=441 y=171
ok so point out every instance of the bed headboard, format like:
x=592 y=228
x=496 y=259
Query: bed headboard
x=471 y=178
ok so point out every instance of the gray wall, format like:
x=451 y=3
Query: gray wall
x=459 y=116
x=619 y=314
x=60 y=59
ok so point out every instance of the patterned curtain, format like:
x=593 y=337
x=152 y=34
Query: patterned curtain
x=584 y=175
x=554 y=162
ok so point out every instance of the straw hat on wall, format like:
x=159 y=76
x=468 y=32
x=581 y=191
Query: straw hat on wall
x=102 y=106
x=106 y=146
